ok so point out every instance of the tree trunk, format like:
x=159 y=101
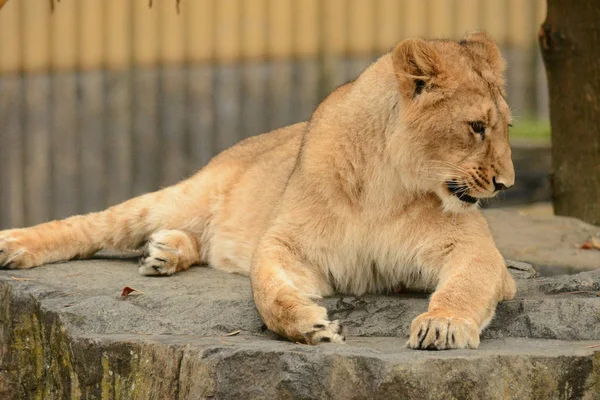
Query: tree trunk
x=570 y=44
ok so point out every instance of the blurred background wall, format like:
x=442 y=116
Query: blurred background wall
x=101 y=100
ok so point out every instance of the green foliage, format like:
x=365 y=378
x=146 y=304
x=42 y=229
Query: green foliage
x=529 y=128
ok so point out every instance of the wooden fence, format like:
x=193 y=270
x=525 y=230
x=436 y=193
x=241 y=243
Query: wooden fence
x=105 y=99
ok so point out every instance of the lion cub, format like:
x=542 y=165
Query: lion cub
x=380 y=188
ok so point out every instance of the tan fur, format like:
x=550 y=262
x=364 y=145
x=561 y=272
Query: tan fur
x=353 y=201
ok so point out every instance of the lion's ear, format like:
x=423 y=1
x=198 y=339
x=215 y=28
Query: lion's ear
x=482 y=44
x=418 y=66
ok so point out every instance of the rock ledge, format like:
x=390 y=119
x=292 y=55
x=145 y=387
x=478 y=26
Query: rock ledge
x=66 y=333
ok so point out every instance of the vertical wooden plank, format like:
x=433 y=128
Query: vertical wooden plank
x=38 y=161
x=172 y=95
x=253 y=93
x=64 y=145
x=201 y=118
x=307 y=32
x=36 y=46
x=441 y=19
x=520 y=16
x=145 y=98
x=361 y=36
x=280 y=102
x=12 y=105
x=227 y=101
x=253 y=115
x=171 y=41
x=90 y=45
x=91 y=110
x=306 y=89
x=306 y=65
x=145 y=103
x=36 y=56
x=63 y=38
x=118 y=100
x=495 y=19
x=333 y=28
x=467 y=17
x=145 y=33
x=390 y=28
x=227 y=30
x=415 y=18
x=200 y=29
x=11 y=41
x=254 y=29
x=227 y=77
x=173 y=109
x=281 y=28
x=92 y=118
x=361 y=19
x=63 y=108
x=116 y=29
x=200 y=32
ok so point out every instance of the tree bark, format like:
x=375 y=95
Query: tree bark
x=570 y=44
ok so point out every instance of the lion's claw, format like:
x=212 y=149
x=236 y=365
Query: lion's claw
x=441 y=331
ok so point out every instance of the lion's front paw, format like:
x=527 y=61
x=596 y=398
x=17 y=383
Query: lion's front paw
x=325 y=332
x=441 y=330
x=15 y=250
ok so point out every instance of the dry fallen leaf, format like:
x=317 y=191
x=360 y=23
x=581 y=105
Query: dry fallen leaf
x=234 y=333
x=127 y=291
x=14 y=278
x=591 y=243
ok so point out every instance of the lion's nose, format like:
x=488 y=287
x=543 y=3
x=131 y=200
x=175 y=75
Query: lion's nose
x=499 y=185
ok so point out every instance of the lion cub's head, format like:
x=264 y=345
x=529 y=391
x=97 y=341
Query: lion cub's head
x=455 y=115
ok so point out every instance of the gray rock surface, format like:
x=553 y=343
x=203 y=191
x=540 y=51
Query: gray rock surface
x=65 y=332
x=551 y=244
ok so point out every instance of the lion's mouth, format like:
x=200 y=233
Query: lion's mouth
x=460 y=191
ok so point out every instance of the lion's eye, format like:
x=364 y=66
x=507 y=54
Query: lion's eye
x=478 y=127
x=419 y=86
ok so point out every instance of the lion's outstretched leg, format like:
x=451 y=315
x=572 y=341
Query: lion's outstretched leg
x=462 y=306
x=126 y=226
x=284 y=289
x=169 y=251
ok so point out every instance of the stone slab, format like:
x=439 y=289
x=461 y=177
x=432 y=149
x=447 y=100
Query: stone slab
x=550 y=243
x=65 y=332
